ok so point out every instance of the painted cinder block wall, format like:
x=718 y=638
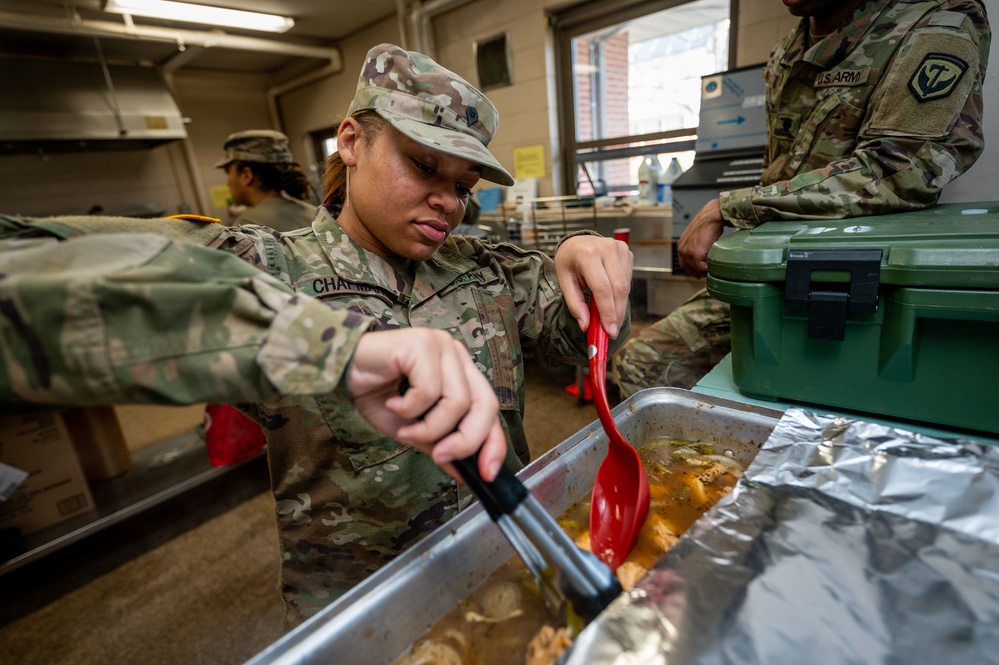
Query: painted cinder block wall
x=218 y=103
x=527 y=107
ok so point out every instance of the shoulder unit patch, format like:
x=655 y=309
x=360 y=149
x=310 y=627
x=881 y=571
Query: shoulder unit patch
x=937 y=76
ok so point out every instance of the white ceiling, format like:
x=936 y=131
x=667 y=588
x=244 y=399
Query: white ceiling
x=317 y=23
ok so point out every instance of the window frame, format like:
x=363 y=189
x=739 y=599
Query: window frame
x=567 y=24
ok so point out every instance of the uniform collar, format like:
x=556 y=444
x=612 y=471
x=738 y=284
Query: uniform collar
x=356 y=264
x=291 y=199
x=834 y=47
x=350 y=261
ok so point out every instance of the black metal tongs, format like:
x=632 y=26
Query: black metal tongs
x=563 y=571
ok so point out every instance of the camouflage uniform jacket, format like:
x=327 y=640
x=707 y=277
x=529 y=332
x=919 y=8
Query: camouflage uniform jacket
x=128 y=317
x=347 y=499
x=281 y=213
x=876 y=117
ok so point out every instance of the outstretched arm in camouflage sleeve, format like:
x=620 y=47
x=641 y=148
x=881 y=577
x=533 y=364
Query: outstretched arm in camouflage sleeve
x=138 y=318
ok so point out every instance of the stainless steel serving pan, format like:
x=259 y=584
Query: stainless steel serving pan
x=381 y=617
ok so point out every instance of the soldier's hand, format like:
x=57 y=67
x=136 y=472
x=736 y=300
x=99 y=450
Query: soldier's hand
x=602 y=265
x=449 y=410
x=704 y=229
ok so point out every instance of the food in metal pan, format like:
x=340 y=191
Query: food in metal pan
x=505 y=620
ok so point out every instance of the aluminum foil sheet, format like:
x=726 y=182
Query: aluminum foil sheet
x=845 y=542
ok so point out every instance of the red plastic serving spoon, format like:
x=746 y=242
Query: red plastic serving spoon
x=620 y=499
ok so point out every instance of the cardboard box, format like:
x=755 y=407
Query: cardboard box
x=56 y=489
x=99 y=441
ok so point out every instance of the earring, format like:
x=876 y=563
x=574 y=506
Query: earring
x=346 y=188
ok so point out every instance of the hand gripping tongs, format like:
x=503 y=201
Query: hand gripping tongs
x=567 y=577
x=563 y=571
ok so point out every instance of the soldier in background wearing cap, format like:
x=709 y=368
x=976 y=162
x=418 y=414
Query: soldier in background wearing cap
x=268 y=188
x=872 y=108
x=263 y=176
x=348 y=498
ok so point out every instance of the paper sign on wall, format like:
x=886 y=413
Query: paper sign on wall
x=220 y=196
x=529 y=162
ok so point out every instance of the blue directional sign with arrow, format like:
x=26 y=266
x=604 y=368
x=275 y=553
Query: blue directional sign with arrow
x=732 y=111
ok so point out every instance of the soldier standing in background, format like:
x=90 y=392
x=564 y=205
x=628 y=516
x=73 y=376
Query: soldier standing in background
x=268 y=188
x=873 y=106
x=263 y=177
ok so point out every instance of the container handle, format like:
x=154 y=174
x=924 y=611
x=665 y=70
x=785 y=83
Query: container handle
x=828 y=308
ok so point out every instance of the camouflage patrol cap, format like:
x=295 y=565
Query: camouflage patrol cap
x=256 y=145
x=431 y=105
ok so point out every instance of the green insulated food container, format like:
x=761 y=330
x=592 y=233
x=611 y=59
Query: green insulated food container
x=893 y=314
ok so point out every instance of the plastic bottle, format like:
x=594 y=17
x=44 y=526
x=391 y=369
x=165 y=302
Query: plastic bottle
x=648 y=180
x=513 y=229
x=666 y=180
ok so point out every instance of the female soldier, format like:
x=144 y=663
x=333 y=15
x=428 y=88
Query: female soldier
x=348 y=498
x=266 y=181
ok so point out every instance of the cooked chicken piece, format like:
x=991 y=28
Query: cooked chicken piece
x=698 y=495
x=662 y=533
x=628 y=574
x=431 y=653
x=547 y=646
x=717 y=475
x=698 y=484
x=499 y=602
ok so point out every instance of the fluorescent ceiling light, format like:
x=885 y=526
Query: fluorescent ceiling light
x=188 y=13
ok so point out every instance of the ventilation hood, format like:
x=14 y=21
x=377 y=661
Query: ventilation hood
x=58 y=106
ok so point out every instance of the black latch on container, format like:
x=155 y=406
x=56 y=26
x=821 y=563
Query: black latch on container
x=827 y=309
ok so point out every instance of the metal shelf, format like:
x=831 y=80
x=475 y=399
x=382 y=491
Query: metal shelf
x=542 y=222
x=160 y=473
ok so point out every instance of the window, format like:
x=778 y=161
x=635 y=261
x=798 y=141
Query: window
x=323 y=145
x=629 y=79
